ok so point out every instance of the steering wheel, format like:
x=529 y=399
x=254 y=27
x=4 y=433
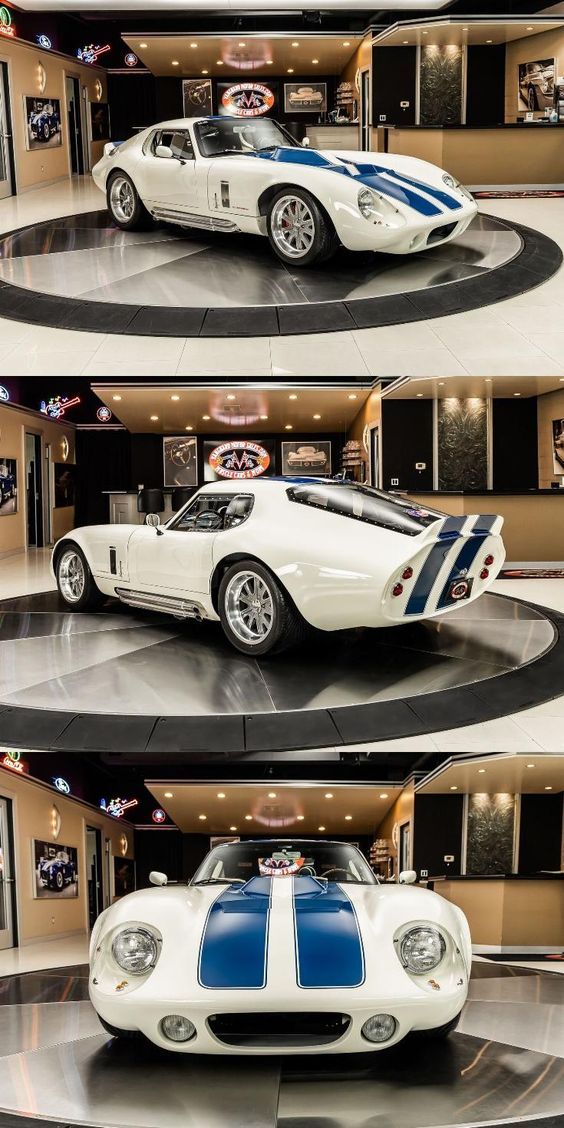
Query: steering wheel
x=336 y=869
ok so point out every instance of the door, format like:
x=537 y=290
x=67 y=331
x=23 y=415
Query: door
x=94 y=874
x=178 y=561
x=405 y=847
x=6 y=146
x=375 y=457
x=34 y=493
x=169 y=181
x=74 y=122
x=7 y=881
x=365 y=112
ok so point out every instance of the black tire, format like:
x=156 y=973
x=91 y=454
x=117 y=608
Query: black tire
x=140 y=219
x=324 y=243
x=131 y=1035
x=438 y=1033
x=59 y=881
x=91 y=596
x=287 y=629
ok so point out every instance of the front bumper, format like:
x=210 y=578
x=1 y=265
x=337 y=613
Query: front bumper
x=415 y=235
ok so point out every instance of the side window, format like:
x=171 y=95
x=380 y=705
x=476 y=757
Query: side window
x=178 y=142
x=214 y=512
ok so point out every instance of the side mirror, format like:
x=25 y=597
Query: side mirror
x=407 y=877
x=157 y=878
x=306 y=143
x=153 y=519
x=164 y=151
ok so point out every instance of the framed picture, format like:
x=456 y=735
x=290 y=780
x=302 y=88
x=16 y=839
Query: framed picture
x=8 y=486
x=536 y=85
x=238 y=459
x=180 y=461
x=302 y=98
x=557 y=446
x=246 y=99
x=42 y=123
x=311 y=457
x=124 y=876
x=55 y=870
x=197 y=97
x=65 y=482
x=99 y=121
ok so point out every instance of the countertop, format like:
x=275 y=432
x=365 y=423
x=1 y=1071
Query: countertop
x=479 y=493
x=502 y=125
x=544 y=875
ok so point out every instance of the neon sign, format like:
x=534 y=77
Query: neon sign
x=247 y=99
x=116 y=807
x=62 y=785
x=45 y=42
x=6 y=25
x=13 y=760
x=131 y=60
x=240 y=459
x=158 y=816
x=58 y=405
x=91 y=53
x=104 y=414
x=4 y=394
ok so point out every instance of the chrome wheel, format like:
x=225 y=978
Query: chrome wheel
x=72 y=576
x=292 y=226
x=122 y=199
x=249 y=607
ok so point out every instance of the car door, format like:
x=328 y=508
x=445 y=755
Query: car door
x=169 y=182
x=178 y=559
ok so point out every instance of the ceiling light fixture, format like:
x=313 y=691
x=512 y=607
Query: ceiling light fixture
x=175 y=63
x=300 y=818
x=242 y=44
x=219 y=62
x=205 y=72
x=321 y=828
x=295 y=44
x=154 y=418
x=175 y=399
x=353 y=395
x=288 y=427
x=346 y=43
x=384 y=795
x=233 y=828
x=248 y=818
x=328 y=794
x=221 y=794
x=264 y=417
x=269 y=62
x=202 y=818
x=230 y=397
x=454 y=787
x=516 y=393
x=293 y=396
x=315 y=61
x=206 y=417
x=143 y=44
x=530 y=765
x=290 y=70
x=189 y=428
x=317 y=417
x=116 y=398
x=272 y=795
x=548 y=787
x=348 y=818
x=193 y=44
x=481 y=771
x=168 y=795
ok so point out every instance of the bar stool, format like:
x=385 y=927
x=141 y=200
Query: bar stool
x=180 y=495
x=150 y=501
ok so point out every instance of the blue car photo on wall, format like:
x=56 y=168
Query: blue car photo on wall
x=43 y=123
x=56 y=870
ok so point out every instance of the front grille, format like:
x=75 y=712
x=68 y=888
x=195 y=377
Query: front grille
x=275 y=1028
x=439 y=233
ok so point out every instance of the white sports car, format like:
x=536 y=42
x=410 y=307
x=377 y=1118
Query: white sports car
x=277 y=946
x=225 y=174
x=271 y=557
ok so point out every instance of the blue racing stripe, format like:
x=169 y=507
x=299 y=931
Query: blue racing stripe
x=463 y=562
x=452 y=526
x=485 y=523
x=234 y=945
x=329 y=950
x=417 y=601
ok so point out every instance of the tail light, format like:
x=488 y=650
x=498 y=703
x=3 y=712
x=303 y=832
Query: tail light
x=484 y=573
x=488 y=561
x=407 y=573
x=397 y=589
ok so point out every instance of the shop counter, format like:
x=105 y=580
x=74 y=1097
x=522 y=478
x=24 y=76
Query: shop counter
x=510 y=913
x=516 y=153
x=533 y=521
x=334 y=136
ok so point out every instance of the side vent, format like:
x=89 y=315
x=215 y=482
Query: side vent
x=224 y=194
x=113 y=562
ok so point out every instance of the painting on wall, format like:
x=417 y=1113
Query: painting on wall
x=8 y=486
x=100 y=121
x=557 y=446
x=440 y=85
x=180 y=461
x=490 y=834
x=310 y=457
x=124 y=876
x=301 y=98
x=55 y=870
x=463 y=444
x=65 y=483
x=42 y=123
x=536 y=86
x=197 y=97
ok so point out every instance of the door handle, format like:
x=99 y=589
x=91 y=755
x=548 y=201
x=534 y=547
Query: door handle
x=7 y=880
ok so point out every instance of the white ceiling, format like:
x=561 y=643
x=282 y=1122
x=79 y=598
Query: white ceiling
x=467 y=387
x=507 y=773
x=182 y=6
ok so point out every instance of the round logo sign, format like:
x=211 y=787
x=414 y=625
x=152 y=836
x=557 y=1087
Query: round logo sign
x=104 y=414
x=248 y=99
x=131 y=60
x=242 y=459
x=4 y=394
x=44 y=42
x=158 y=816
x=62 y=785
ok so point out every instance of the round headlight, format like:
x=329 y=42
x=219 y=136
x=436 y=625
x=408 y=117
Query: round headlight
x=177 y=1028
x=366 y=202
x=135 y=950
x=379 y=1028
x=449 y=180
x=422 y=949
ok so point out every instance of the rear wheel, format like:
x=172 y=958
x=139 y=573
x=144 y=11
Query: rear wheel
x=75 y=581
x=299 y=231
x=125 y=205
x=257 y=616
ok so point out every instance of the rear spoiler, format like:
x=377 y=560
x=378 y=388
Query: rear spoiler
x=472 y=525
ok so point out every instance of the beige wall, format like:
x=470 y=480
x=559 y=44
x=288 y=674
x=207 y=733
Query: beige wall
x=400 y=812
x=510 y=913
x=527 y=155
x=32 y=810
x=44 y=165
x=547 y=45
x=14 y=422
x=369 y=414
x=549 y=407
x=533 y=528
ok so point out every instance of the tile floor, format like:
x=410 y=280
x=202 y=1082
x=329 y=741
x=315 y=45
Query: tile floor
x=521 y=336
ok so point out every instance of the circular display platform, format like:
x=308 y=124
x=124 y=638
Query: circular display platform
x=503 y=1065
x=125 y=680
x=82 y=272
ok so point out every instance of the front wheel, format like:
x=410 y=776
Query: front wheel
x=299 y=232
x=75 y=581
x=257 y=616
x=125 y=205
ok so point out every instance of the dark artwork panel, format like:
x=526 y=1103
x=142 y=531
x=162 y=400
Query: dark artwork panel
x=100 y=121
x=490 y=830
x=65 y=484
x=440 y=91
x=124 y=876
x=463 y=444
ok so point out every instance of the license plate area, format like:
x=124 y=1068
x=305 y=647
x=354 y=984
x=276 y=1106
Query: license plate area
x=460 y=589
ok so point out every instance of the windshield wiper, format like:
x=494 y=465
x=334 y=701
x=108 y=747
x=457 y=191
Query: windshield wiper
x=219 y=881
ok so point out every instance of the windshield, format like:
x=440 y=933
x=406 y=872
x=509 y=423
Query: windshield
x=239 y=861
x=362 y=503
x=229 y=135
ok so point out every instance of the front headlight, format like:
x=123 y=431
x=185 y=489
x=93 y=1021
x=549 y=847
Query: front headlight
x=377 y=208
x=135 y=950
x=456 y=186
x=422 y=949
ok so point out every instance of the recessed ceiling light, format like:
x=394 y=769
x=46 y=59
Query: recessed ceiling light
x=348 y=818
x=269 y=62
x=465 y=29
x=425 y=33
x=488 y=379
x=116 y=398
x=230 y=396
x=300 y=818
x=384 y=795
x=516 y=393
x=419 y=395
x=272 y=795
x=295 y=44
x=290 y=70
x=481 y=771
x=233 y=828
x=248 y=818
x=242 y=44
x=193 y=44
x=489 y=40
x=321 y=828
x=293 y=396
x=529 y=29
x=175 y=398
x=441 y=383
x=205 y=72
x=189 y=428
x=328 y=794
x=142 y=44
x=346 y=43
x=206 y=417
x=154 y=418
x=221 y=794
x=315 y=61
x=317 y=417
x=264 y=416
x=219 y=62
x=168 y=795
x=454 y=787
x=175 y=63
x=353 y=395
x=405 y=42
x=548 y=787
x=288 y=427
x=202 y=818
x=530 y=765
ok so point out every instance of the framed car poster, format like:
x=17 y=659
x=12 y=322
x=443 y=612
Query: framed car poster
x=557 y=447
x=55 y=871
x=99 y=121
x=301 y=97
x=8 y=486
x=42 y=123
x=536 y=85
x=310 y=456
x=180 y=461
x=197 y=97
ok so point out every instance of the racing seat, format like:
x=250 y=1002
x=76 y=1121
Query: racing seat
x=236 y=512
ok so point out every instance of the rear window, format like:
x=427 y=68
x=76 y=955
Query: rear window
x=362 y=503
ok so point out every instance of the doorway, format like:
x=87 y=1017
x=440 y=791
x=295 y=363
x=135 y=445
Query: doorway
x=7 y=879
x=7 y=186
x=405 y=847
x=374 y=451
x=74 y=121
x=34 y=484
x=94 y=874
x=365 y=111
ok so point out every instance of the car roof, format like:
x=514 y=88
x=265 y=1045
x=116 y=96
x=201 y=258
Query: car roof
x=278 y=481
